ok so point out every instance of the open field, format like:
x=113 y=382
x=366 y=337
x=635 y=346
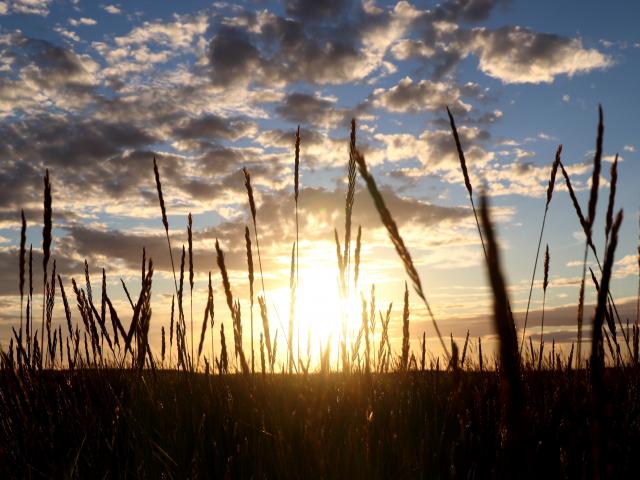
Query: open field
x=88 y=397
x=121 y=424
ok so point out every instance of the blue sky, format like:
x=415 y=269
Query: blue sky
x=93 y=90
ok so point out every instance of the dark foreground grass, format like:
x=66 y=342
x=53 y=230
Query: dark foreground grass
x=119 y=424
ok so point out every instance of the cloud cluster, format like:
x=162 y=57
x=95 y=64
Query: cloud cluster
x=520 y=55
x=211 y=91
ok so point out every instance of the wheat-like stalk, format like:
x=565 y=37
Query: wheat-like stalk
x=225 y=277
x=252 y=207
x=292 y=290
x=46 y=244
x=612 y=196
x=597 y=360
x=405 y=329
x=587 y=231
x=545 y=284
x=234 y=308
x=171 y=326
x=503 y=323
x=396 y=239
x=223 y=366
x=550 y=187
x=296 y=192
x=349 y=200
x=265 y=328
x=465 y=174
x=595 y=177
x=29 y=312
x=247 y=240
x=464 y=350
x=165 y=222
x=23 y=252
x=190 y=244
x=208 y=312
x=356 y=270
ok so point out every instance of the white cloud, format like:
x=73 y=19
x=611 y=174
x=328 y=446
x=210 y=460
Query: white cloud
x=435 y=150
x=408 y=96
x=177 y=34
x=629 y=148
x=626 y=266
x=520 y=55
x=566 y=98
x=407 y=48
x=31 y=7
x=68 y=34
x=82 y=21
x=112 y=9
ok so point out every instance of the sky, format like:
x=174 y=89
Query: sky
x=92 y=91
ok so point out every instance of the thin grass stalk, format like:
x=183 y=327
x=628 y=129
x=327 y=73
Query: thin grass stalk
x=550 y=187
x=465 y=173
x=597 y=360
x=612 y=196
x=67 y=310
x=163 y=346
x=503 y=323
x=50 y=301
x=190 y=243
x=588 y=242
x=398 y=243
x=297 y=244
x=349 y=200
x=405 y=329
x=262 y=359
x=545 y=284
x=46 y=244
x=367 y=345
x=252 y=207
x=581 y=313
x=223 y=366
x=384 y=322
x=171 y=328
x=233 y=308
x=237 y=337
x=372 y=326
x=165 y=222
x=181 y=338
x=265 y=329
x=115 y=321
x=356 y=271
x=454 y=362
x=610 y=320
x=464 y=350
x=23 y=252
x=208 y=312
x=292 y=301
x=247 y=239
x=595 y=177
x=296 y=192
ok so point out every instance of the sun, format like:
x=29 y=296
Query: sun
x=319 y=313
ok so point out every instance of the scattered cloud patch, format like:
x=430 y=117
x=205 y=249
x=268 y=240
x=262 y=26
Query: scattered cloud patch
x=520 y=55
x=82 y=21
x=112 y=9
x=410 y=97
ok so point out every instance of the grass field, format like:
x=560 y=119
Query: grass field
x=86 y=397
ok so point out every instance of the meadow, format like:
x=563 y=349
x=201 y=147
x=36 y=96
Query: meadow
x=86 y=396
